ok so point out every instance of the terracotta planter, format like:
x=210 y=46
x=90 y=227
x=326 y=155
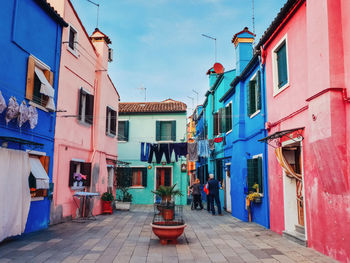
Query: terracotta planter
x=107 y=207
x=168 y=234
x=168 y=213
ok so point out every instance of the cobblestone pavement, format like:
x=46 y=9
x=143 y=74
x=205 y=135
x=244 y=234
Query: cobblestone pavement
x=127 y=237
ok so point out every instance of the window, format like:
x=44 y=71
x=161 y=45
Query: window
x=123 y=131
x=72 y=40
x=111 y=120
x=165 y=130
x=280 y=66
x=39 y=88
x=254 y=175
x=224 y=121
x=228 y=117
x=110 y=170
x=79 y=174
x=38 y=177
x=254 y=95
x=86 y=107
x=216 y=124
x=132 y=176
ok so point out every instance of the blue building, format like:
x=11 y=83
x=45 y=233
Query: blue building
x=245 y=157
x=30 y=59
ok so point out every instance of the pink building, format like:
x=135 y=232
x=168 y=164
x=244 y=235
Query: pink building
x=307 y=64
x=85 y=140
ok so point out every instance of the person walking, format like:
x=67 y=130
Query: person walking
x=196 y=194
x=214 y=186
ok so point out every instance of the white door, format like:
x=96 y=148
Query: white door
x=228 y=188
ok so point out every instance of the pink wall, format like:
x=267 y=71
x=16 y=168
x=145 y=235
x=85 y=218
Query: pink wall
x=74 y=140
x=318 y=39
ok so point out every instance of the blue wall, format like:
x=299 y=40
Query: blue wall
x=242 y=144
x=28 y=30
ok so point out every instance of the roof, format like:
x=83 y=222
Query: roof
x=97 y=34
x=284 y=12
x=166 y=106
x=245 y=30
x=52 y=12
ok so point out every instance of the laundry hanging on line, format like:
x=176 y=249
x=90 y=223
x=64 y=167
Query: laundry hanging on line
x=160 y=149
x=192 y=152
x=203 y=148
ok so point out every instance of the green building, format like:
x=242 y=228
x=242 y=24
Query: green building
x=152 y=122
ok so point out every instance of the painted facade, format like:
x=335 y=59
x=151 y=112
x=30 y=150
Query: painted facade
x=191 y=132
x=85 y=139
x=246 y=158
x=26 y=54
x=141 y=125
x=308 y=121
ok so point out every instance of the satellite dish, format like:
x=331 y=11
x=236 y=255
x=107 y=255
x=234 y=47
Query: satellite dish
x=218 y=68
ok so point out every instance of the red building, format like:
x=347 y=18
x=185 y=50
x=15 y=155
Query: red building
x=306 y=52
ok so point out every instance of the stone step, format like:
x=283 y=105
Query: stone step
x=295 y=237
x=300 y=229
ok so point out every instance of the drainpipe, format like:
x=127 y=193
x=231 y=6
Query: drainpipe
x=345 y=96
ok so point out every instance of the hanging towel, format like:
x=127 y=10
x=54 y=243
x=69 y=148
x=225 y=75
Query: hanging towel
x=211 y=144
x=218 y=139
x=192 y=152
x=144 y=155
x=205 y=151
x=153 y=149
x=163 y=149
x=180 y=149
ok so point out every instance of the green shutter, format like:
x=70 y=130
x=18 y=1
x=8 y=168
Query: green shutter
x=248 y=98
x=260 y=174
x=258 y=92
x=228 y=116
x=173 y=130
x=282 y=65
x=126 y=131
x=157 y=130
x=144 y=177
x=250 y=174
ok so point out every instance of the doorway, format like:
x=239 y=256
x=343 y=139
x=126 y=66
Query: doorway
x=228 y=187
x=163 y=176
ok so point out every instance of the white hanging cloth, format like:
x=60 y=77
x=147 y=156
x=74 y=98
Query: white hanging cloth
x=23 y=114
x=12 y=110
x=2 y=103
x=46 y=89
x=14 y=192
x=32 y=117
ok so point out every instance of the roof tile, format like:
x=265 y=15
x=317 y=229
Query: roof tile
x=167 y=106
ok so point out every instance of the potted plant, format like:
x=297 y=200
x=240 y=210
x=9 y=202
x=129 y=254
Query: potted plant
x=166 y=207
x=124 y=198
x=107 y=199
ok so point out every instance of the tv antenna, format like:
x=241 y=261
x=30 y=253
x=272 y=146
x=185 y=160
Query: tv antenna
x=212 y=38
x=192 y=101
x=194 y=91
x=98 y=10
x=144 y=89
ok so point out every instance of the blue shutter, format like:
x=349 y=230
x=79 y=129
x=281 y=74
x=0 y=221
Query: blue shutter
x=173 y=130
x=157 y=130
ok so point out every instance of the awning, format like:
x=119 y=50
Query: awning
x=38 y=171
x=279 y=134
x=46 y=89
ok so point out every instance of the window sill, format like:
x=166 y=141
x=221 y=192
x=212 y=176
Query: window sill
x=84 y=123
x=76 y=188
x=165 y=141
x=31 y=103
x=254 y=114
x=277 y=90
x=37 y=199
x=137 y=187
x=73 y=52
x=110 y=135
x=122 y=141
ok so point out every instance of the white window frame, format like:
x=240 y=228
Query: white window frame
x=74 y=50
x=262 y=172
x=255 y=76
x=109 y=117
x=124 y=128
x=276 y=89
x=77 y=170
x=83 y=105
x=231 y=116
x=165 y=120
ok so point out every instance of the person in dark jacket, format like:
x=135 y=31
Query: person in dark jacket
x=196 y=194
x=214 y=186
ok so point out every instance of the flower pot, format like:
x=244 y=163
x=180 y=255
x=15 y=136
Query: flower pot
x=167 y=234
x=168 y=213
x=125 y=206
x=107 y=207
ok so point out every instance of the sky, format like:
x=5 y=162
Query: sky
x=158 y=44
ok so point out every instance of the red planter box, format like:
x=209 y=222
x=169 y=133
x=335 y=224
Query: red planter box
x=107 y=207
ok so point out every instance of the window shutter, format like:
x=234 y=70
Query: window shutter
x=86 y=170
x=258 y=92
x=128 y=177
x=223 y=120
x=229 y=117
x=72 y=169
x=80 y=103
x=173 y=130
x=216 y=124
x=252 y=85
x=260 y=174
x=30 y=78
x=126 y=131
x=113 y=122
x=282 y=66
x=107 y=117
x=45 y=161
x=248 y=98
x=89 y=111
x=250 y=174
x=144 y=177
x=157 y=130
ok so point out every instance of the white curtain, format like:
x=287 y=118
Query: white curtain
x=14 y=192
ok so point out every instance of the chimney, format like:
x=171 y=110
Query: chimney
x=243 y=42
x=101 y=42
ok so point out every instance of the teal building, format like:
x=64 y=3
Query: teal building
x=152 y=122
